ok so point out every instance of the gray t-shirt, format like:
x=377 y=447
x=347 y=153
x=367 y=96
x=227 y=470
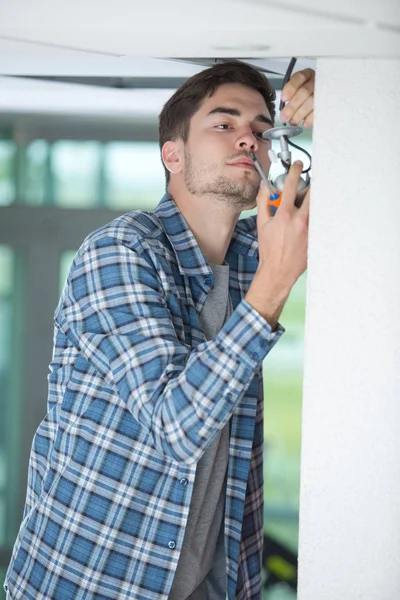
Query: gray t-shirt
x=201 y=570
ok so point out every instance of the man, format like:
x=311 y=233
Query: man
x=145 y=478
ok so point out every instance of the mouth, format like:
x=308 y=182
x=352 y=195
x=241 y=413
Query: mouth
x=243 y=164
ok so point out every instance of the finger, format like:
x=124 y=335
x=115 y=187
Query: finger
x=305 y=111
x=296 y=82
x=305 y=205
x=264 y=211
x=301 y=96
x=309 y=120
x=290 y=188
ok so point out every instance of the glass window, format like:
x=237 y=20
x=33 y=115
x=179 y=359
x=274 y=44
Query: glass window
x=7 y=181
x=35 y=177
x=9 y=431
x=283 y=381
x=65 y=264
x=76 y=172
x=134 y=175
x=280 y=591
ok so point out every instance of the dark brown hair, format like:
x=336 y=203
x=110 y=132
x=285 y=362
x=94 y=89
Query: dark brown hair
x=174 y=119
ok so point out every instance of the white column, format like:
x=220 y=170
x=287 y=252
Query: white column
x=350 y=474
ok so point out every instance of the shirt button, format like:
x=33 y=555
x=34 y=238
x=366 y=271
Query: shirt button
x=254 y=356
x=228 y=396
x=171 y=545
x=207 y=280
x=183 y=481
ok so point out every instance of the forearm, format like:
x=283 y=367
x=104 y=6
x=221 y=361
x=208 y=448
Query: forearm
x=267 y=296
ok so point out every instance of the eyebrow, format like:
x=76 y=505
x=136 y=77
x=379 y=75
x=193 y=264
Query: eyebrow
x=234 y=112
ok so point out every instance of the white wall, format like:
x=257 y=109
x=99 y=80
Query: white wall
x=350 y=478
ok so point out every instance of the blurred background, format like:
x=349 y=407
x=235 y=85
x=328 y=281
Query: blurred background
x=73 y=155
x=78 y=146
x=64 y=173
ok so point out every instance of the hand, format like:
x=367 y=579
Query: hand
x=282 y=248
x=298 y=94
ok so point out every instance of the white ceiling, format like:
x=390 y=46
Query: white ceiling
x=116 y=38
x=103 y=37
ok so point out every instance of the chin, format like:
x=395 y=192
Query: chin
x=249 y=206
x=237 y=191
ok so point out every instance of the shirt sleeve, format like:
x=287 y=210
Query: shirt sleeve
x=114 y=312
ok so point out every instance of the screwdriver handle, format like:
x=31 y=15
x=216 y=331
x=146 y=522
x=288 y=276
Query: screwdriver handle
x=275 y=200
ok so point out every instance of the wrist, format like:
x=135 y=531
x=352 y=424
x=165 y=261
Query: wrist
x=267 y=295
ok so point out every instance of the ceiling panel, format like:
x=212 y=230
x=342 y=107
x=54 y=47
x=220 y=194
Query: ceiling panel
x=361 y=12
x=98 y=38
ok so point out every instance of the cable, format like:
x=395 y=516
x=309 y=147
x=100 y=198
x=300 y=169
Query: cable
x=281 y=105
x=305 y=152
x=287 y=166
x=301 y=150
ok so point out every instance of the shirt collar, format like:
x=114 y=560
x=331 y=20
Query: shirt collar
x=191 y=259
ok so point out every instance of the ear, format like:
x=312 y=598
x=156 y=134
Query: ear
x=171 y=156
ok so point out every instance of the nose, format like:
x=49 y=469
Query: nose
x=247 y=141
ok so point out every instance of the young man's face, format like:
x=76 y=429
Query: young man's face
x=222 y=133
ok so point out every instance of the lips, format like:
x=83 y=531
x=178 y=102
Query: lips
x=245 y=164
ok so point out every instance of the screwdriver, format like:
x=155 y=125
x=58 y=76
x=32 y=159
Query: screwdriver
x=274 y=198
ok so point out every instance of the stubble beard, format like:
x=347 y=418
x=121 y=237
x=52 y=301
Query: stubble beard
x=240 y=195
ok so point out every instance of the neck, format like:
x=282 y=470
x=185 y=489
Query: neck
x=211 y=221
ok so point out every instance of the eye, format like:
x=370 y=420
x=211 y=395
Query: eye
x=258 y=135
x=222 y=126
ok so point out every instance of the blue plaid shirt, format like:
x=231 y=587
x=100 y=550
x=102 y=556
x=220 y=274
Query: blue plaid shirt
x=136 y=394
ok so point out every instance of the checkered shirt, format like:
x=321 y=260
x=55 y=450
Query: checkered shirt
x=136 y=394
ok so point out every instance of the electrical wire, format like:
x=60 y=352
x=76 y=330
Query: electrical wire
x=281 y=106
x=305 y=152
